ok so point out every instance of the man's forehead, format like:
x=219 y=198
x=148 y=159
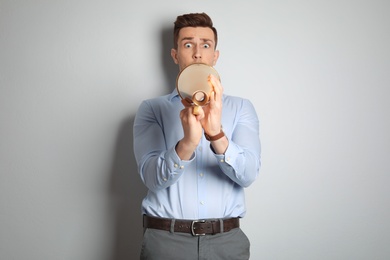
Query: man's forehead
x=204 y=33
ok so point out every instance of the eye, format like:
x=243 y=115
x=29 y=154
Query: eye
x=188 y=45
x=206 y=45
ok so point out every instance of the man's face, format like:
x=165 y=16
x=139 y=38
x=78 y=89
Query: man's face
x=195 y=45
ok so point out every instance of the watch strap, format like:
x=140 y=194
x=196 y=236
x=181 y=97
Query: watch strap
x=215 y=137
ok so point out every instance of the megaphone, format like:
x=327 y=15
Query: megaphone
x=193 y=84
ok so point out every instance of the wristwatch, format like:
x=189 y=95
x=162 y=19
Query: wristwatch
x=215 y=137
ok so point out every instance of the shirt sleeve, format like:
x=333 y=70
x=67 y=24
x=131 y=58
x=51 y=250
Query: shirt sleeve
x=241 y=161
x=158 y=165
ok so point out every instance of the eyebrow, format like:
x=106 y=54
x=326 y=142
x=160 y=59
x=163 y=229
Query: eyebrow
x=202 y=39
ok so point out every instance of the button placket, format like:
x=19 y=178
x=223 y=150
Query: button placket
x=201 y=178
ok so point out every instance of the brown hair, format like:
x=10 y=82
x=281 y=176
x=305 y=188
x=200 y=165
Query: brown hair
x=192 y=20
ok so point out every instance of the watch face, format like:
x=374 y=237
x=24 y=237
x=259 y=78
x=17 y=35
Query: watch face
x=193 y=83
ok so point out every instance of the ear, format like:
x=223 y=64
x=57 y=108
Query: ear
x=174 y=56
x=216 y=56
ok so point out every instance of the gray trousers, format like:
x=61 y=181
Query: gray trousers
x=164 y=245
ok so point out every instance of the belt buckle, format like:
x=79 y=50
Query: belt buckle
x=193 y=229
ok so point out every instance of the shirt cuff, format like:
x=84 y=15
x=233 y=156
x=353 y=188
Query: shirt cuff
x=229 y=156
x=174 y=164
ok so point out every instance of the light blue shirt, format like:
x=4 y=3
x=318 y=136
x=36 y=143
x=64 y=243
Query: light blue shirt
x=208 y=185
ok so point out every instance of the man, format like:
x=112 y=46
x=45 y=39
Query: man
x=194 y=169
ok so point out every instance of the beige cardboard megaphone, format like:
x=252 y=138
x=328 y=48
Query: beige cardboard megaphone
x=193 y=84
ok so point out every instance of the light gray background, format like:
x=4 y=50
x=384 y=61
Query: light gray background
x=72 y=74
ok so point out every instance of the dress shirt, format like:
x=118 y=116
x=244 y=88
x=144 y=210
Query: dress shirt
x=208 y=185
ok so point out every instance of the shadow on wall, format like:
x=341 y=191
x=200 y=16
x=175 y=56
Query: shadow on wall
x=126 y=185
x=128 y=192
x=169 y=67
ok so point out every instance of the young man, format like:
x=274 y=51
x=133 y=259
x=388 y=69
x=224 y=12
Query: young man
x=194 y=169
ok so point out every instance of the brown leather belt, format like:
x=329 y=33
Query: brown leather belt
x=194 y=227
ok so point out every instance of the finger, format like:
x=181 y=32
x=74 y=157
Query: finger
x=195 y=110
x=216 y=83
x=200 y=112
x=212 y=96
x=217 y=87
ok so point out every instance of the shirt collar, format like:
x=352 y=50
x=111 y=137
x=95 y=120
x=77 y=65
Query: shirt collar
x=173 y=95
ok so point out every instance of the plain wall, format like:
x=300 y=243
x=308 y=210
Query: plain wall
x=72 y=74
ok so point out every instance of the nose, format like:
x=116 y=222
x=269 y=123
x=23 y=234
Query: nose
x=197 y=53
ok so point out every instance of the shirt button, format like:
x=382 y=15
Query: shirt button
x=228 y=159
x=175 y=165
x=201 y=174
x=181 y=167
x=202 y=202
x=222 y=160
x=165 y=179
